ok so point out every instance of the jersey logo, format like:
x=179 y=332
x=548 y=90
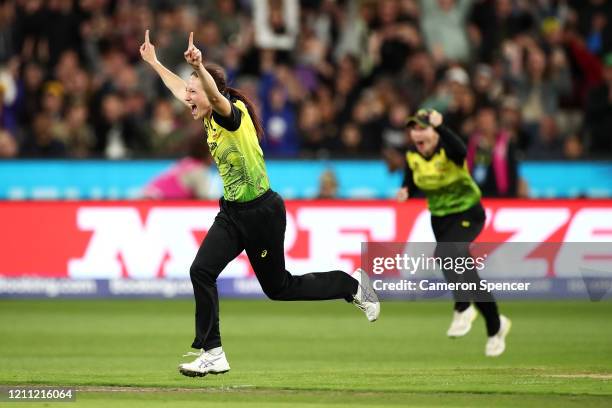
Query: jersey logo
x=264 y=253
x=212 y=146
x=465 y=224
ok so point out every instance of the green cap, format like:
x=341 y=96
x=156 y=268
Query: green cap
x=421 y=118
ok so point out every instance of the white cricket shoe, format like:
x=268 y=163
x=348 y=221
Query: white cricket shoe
x=204 y=364
x=497 y=343
x=365 y=298
x=462 y=322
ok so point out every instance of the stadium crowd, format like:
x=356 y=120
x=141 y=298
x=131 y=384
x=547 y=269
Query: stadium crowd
x=332 y=78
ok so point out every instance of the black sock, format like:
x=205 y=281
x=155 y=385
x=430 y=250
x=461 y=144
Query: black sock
x=461 y=306
x=491 y=316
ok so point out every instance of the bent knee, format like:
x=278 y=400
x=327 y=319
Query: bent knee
x=194 y=270
x=274 y=293
x=199 y=272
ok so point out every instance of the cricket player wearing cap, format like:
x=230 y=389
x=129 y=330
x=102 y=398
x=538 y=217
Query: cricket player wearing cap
x=436 y=165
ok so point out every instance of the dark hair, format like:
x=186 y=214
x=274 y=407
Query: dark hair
x=218 y=75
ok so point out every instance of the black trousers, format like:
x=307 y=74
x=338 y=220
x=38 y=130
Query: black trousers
x=454 y=233
x=258 y=227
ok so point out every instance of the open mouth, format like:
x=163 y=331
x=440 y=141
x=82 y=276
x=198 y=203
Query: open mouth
x=420 y=144
x=194 y=109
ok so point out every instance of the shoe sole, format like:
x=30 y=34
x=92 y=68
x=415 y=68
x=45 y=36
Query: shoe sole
x=189 y=373
x=456 y=336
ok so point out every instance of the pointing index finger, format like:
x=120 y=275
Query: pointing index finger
x=191 y=39
x=147 y=37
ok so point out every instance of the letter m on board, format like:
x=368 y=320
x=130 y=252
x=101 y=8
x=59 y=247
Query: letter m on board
x=121 y=241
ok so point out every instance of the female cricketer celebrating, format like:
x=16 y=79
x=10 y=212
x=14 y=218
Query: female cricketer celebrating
x=436 y=165
x=251 y=217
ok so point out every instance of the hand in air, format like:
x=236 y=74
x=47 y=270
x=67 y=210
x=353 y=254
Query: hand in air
x=435 y=118
x=147 y=50
x=193 y=56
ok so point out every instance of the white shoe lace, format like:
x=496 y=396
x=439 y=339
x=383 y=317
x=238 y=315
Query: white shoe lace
x=367 y=295
x=363 y=294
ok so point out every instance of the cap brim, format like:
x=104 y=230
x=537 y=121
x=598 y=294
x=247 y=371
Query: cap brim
x=415 y=120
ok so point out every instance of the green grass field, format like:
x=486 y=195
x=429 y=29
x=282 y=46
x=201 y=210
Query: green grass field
x=125 y=353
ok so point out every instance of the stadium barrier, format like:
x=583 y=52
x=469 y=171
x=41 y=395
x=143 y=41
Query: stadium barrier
x=145 y=248
x=293 y=179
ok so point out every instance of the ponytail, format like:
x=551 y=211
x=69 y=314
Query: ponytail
x=217 y=73
x=235 y=93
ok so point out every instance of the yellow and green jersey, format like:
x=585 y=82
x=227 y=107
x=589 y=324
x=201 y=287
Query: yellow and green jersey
x=235 y=148
x=444 y=177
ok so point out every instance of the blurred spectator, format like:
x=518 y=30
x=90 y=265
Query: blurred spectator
x=78 y=86
x=209 y=36
x=369 y=114
x=540 y=85
x=510 y=121
x=549 y=143
x=491 y=157
x=487 y=87
x=330 y=77
x=418 y=77
x=572 y=149
x=170 y=36
x=167 y=138
x=494 y=21
x=351 y=140
x=444 y=28
x=523 y=188
x=280 y=124
x=462 y=103
x=395 y=37
x=394 y=131
x=8 y=97
x=189 y=178
x=598 y=120
x=594 y=18
x=313 y=138
x=8 y=145
x=61 y=29
x=118 y=136
x=586 y=67
x=53 y=100
x=449 y=90
x=30 y=22
x=8 y=31
x=40 y=141
x=346 y=88
x=276 y=23
x=79 y=136
x=30 y=92
x=328 y=185
x=224 y=13
x=394 y=158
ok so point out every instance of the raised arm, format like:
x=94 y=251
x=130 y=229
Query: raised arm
x=173 y=82
x=456 y=150
x=218 y=102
